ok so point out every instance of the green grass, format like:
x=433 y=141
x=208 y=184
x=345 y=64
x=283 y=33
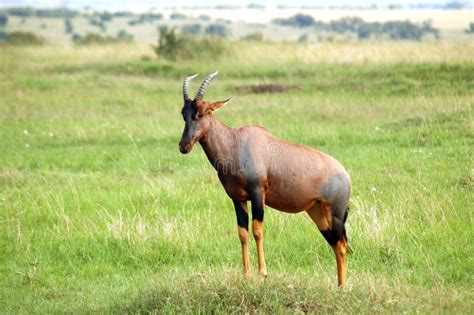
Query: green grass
x=100 y=212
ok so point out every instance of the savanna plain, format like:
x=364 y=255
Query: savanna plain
x=99 y=212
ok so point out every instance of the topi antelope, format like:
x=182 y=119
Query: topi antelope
x=254 y=165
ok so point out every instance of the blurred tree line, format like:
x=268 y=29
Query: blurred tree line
x=396 y=30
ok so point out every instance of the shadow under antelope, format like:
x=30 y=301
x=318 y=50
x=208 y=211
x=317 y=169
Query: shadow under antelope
x=254 y=165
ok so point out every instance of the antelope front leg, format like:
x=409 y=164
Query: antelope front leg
x=340 y=249
x=257 y=229
x=243 y=228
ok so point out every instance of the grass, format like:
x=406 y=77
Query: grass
x=100 y=213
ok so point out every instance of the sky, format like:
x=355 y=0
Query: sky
x=139 y=5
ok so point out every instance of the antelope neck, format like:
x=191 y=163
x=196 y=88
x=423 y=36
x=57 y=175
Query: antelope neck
x=219 y=141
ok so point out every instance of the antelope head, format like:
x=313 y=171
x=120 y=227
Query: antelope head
x=196 y=113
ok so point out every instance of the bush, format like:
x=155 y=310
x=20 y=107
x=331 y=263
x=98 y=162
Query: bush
x=255 y=36
x=99 y=23
x=204 y=17
x=178 y=16
x=218 y=30
x=192 y=29
x=105 y=17
x=76 y=37
x=55 y=13
x=3 y=36
x=3 y=20
x=303 y=38
x=122 y=14
x=299 y=20
x=470 y=30
x=93 y=39
x=68 y=26
x=42 y=13
x=427 y=28
x=24 y=38
x=174 y=46
x=347 y=24
x=256 y=6
x=124 y=36
x=148 y=17
x=21 y=12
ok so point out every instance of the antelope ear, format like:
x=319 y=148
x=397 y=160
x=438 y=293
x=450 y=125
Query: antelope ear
x=219 y=104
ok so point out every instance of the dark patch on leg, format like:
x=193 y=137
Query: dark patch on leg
x=242 y=215
x=257 y=207
x=257 y=212
x=349 y=249
x=336 y=233
x=330 y=237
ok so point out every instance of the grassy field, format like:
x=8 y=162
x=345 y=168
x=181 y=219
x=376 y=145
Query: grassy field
x=99 y=212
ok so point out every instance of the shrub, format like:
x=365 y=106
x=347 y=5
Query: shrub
x=204 y=17
x=470 y=30
x=148 y=17
x=21 y=12
x=122 y=14
x=55 y=13
x=97 y=22
x=42 y=13
x=93 y=39
x=192 y=29
x=255 y=36
x=174 y=46
x=68 y=26
x=427 y=28
x=299 y=20
x=124 y=36
x=3 y=20
x=218 y=30
x=178 y=16
x=256 y=6
x=24 y=38
x=76 y=37
x=347 y=24
x=303 y=38
x=3 y=36
x=105 y=17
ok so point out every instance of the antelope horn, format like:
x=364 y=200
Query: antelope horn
x=186 y=86
x=205 y=83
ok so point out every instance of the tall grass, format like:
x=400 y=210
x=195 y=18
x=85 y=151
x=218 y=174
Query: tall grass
x=100 y=212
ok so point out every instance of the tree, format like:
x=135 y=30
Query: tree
x=470 y=30
x=124 y=36
x=218 y=30
x=168 y=43
x=3 y=20
x=68 y=26
x=192 y=29
x=299 y=20
x=24 y=38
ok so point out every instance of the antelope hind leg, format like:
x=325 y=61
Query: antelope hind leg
x=333 y=230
